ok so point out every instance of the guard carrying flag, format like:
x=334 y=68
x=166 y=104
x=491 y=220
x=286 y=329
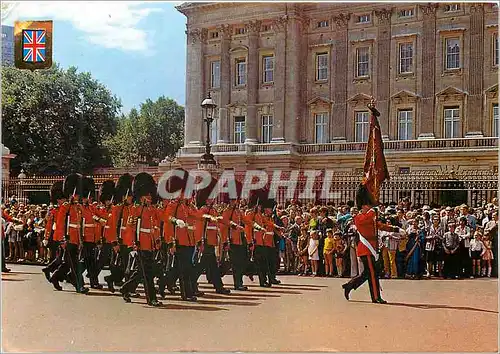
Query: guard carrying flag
x=367 y=224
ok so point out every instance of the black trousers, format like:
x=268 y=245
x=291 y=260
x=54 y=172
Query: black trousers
x=238 y=257
x=161 y=276
x=143 y=274
x=4 y=264
x=369 y=273
x=184 y=261
x=272 y=261
x=116 y=275
x=125 y=253
x=451 y=265
x=208 y=262
x=52 y=266
x=87 y=261
x=172 y=270
x=55 y=249
x=262 y=264
x=465 y=261
x=68 y=268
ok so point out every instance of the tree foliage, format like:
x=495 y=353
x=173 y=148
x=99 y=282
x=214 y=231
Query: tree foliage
x=56 y=121
x=148 y=135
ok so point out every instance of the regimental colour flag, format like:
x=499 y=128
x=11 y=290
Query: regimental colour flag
x=34 y=46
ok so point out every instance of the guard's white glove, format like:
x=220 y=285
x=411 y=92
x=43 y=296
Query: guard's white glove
x=45 y=242
x=402 y=232
x=180 y=223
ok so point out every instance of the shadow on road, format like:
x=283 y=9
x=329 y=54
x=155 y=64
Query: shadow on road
x=431 y=306
x=237 y=297
x=15 y=273
x=229 y=302
x=302 y=285
x=169 y=306
x=12 y=279
x=275 y=291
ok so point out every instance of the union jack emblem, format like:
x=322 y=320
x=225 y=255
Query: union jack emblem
x=34 y=46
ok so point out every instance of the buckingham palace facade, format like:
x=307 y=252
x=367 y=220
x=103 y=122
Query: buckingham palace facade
x=292 y=81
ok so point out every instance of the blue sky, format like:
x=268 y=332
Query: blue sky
x=137 y=49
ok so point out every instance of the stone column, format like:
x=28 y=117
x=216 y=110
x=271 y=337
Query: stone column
x=293 y=111
x=340 y=65
x=225 y=83
x=426 y=108
x=383 y=68
x=476 y=71
x=193 y=123
x=279 y=27
x=253 y=79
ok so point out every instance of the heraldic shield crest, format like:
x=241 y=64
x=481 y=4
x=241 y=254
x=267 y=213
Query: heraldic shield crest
x=33 y=45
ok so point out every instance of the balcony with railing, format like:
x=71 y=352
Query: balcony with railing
x=329 y=148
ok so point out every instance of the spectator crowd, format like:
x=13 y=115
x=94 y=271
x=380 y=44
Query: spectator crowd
x=320 y=240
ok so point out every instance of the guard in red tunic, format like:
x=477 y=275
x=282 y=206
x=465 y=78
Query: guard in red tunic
x=255 y=231
x=69 y=223
x=269 y=243
x=367 y=225
x=232 y=232
x=206 y=230
x=145 y=221
x=53 y=240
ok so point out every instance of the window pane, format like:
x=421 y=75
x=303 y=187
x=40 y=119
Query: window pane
x=215 y=74
x=452 y=53
x=268 y=65
x=267 y=128
x=495 y=121
x=241 y=68
x=406 y=58
x=362 y=126
x=362 y=61
x=321 y=128
x=405 y=118
x=239 y=130
x=322 y=66
x=495 y=49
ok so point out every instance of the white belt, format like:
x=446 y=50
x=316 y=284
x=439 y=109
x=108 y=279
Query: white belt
x=122 y=228
x=269 y=233
x=88 y=225
x=107 y=227
x=190 y=227
x=211 y=227
x=145 y=230
x=74 y=225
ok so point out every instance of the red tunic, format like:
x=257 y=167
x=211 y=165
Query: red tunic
x=268 y=224
x=230 y=231
x=365 y=223
x=123 y=227
x=89 y=224
x=107 y=230
x=249 y=219
x=145 y=227
x=177 y=210
x=210 y=227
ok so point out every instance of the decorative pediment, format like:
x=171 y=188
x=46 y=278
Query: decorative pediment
x=237 y=108
x=265 y=108
x=240 y=48
x=319 y=100
x=360 y=98
x=492 y=91
x=451 y=94
x=404 y=96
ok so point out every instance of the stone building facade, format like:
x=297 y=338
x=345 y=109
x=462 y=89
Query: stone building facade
x=292 y=81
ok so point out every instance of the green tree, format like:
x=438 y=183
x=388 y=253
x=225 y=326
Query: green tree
x=148 y=135
x=56 y=120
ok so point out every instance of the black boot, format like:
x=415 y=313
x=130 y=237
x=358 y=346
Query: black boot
x=56 y=284
x=347 y=290
x=223 y=291
x=47 y=274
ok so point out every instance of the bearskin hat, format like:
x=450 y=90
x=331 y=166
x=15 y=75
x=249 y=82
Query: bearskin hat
x=72 y=185
x=107 y=190
x=144 y=184
x=88 y=187
x=56 y=192
x=123 y=187
x=363 y=196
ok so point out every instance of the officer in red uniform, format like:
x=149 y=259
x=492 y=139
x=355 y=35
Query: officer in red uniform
x=367 y=225
x=104 y=226
x=255 y=233
x=53 y=239
x=145 y=221
x=182 y=245
x=69 y=223
x=231 y=230
x=206 y=230
x=269 y=243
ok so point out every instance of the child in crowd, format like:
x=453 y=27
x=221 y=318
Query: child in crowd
x=302 y=249
x=476 y=251
x=487 y=255
x=328 y=250
x=314 y=252
x=340 y=247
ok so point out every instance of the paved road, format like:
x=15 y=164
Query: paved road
x=303 y=314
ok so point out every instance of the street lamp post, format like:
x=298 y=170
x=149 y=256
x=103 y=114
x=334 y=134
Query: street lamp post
x=207 y=161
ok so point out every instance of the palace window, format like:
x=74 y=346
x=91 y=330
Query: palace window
x=495 y=49
x=322 y=24
x=451 y=7
x=451 y=122
x=406 y=13
x=405 y=58
x=495 y=129
x=215 y=74
x=214 y=34
x=240 y=30
x=241 y=72
x=321 y=66
x=267 y=128
x=363 y=18
x=362 y=126
x=268 y=66
x=405 y=124
x=214 y=130
x=362 y=62
x=452 y=53
x=239 y=130
x=320 y=125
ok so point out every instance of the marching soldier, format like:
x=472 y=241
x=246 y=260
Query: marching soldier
x=144 y=221
x=116 y=267
x=231 y=230
x=159 y=267
x=104 y=226
x=181 y=244
x=269 y=241
x=53 y=239
x=206 y=231
x=89 y=236
x=68 y=222
x=253 y=228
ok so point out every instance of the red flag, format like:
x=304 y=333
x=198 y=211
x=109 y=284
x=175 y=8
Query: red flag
x=375 y=166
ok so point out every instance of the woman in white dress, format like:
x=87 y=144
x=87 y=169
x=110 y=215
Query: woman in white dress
x=314 y=251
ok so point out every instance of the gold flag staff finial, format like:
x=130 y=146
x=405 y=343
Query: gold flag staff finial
x=372 y=108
